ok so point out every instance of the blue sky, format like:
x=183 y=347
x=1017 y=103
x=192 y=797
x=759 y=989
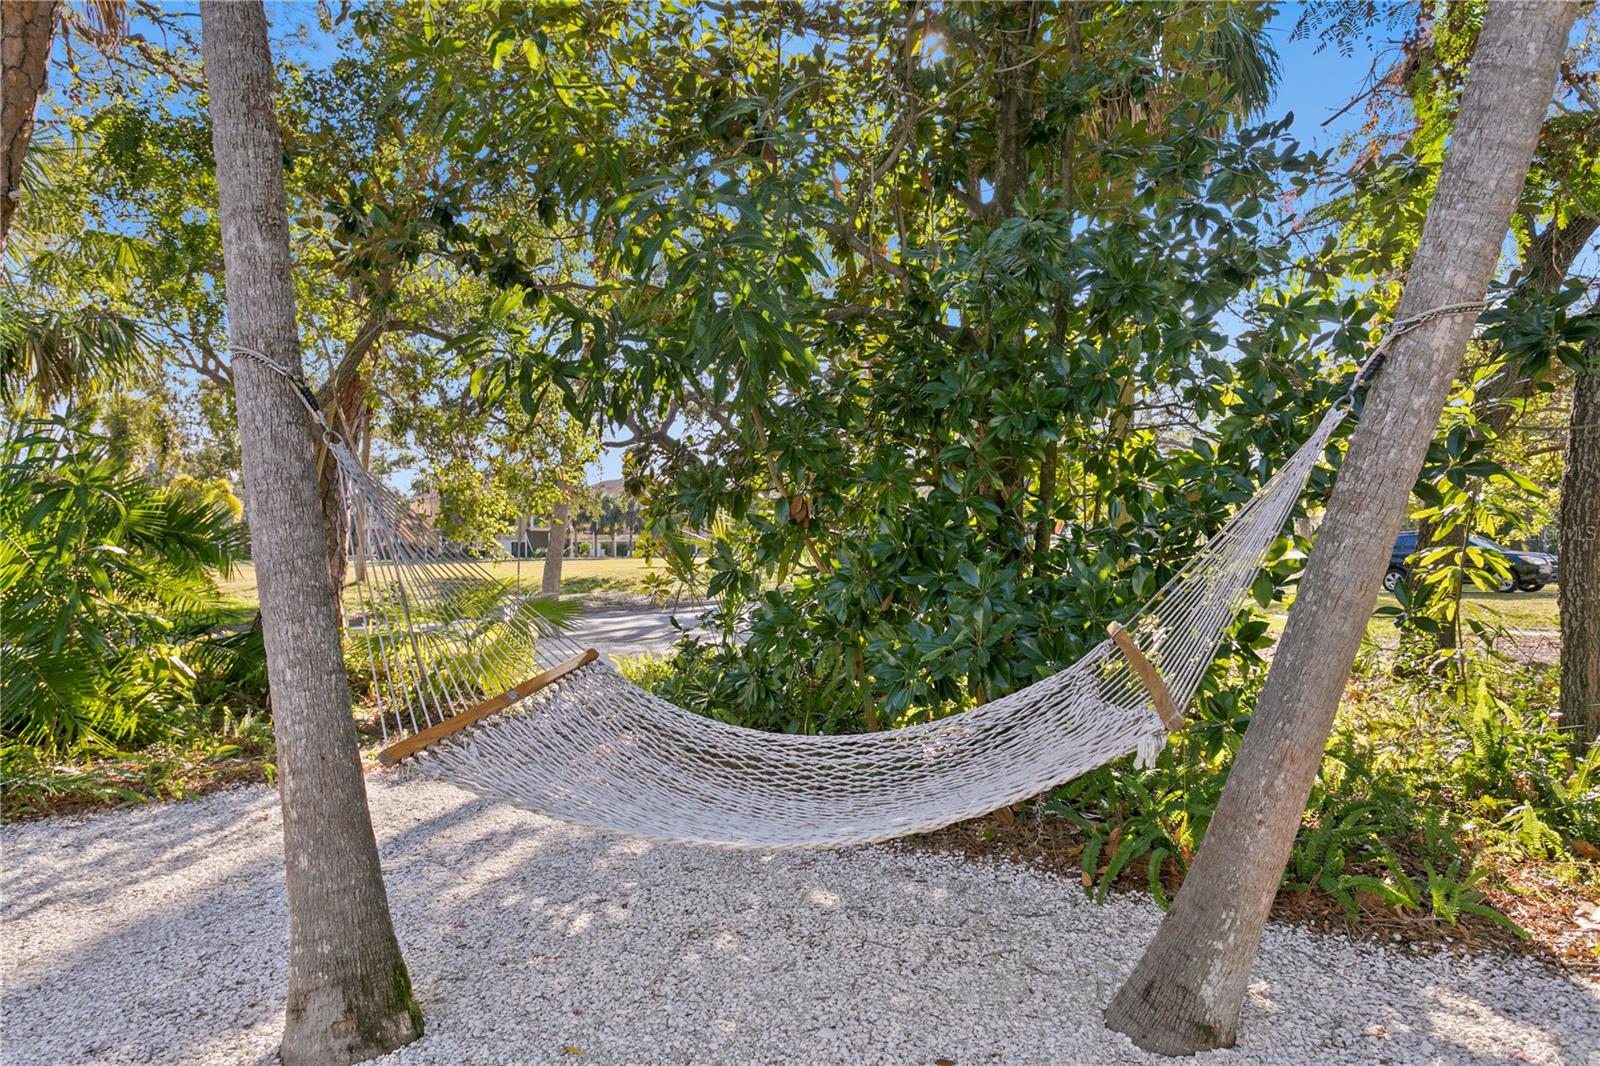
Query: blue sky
x=1316 y=85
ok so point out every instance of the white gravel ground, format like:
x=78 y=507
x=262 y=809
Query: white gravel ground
x=156 y=935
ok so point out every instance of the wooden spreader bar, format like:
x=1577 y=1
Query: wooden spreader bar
x=1171 y=716
x=425 y=738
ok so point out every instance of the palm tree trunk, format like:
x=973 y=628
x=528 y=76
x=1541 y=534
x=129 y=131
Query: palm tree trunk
x=1580 y=559
x=27 y=28
x=349 y=997
x=1186 y=992
x=551 y=585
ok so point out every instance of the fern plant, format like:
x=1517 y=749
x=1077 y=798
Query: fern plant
x=107 y=586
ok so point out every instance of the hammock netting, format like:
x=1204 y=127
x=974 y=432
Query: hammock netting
x=441 y=635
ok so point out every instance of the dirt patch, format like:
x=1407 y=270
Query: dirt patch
x=1530 y=646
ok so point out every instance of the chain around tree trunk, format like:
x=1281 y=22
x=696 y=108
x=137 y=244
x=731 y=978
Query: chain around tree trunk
x=1399 y=328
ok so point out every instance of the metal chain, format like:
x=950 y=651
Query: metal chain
x=1399 y=328
x=302 y=391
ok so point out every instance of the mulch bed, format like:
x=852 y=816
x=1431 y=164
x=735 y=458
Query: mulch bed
x=202 y=779
x=1561 y=916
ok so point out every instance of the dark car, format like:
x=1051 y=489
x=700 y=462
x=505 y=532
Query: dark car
x=1530 y=571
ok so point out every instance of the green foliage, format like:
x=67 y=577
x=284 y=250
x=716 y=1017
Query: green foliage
x=901 y=377
x=1424 y=792
x=477 y=628
x=472 y=510
x=647 y=671
x=50 y=355
x=1129 y=815
x=107 y=592
x=230 y=748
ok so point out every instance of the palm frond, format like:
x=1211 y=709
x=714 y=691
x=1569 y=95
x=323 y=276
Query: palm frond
x=49 y=355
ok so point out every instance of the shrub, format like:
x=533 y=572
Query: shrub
x=106 y=594
x=1423 y=790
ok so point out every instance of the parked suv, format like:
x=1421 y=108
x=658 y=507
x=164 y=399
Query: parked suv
x=1531 y=571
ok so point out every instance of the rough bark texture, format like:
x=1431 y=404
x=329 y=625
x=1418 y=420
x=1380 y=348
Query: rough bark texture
x=551 y=585
x=349 y=996
x=1580 y=560
x=343 y=402
x=1015 y=51
x=1185 y=994
x=26 y=31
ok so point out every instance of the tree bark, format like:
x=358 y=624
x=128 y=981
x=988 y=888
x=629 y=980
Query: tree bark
x=349 y=996
x=1186 y=992
x=27 y=28
x=1016 y=63
x=1580 y=560
x=551 y=585
x=1550 y=256
x=343 y=401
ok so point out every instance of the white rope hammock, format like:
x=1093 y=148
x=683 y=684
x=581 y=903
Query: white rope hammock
x=481 y=689
x=491 y=696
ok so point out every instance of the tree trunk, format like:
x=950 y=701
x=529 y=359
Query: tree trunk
x=349 y=996
x=344 y=402
x=1186 y=993
x=519 y=544
x=27 y=28
x=362 y=547
x=613 y=540
x=1544 y=269
x=1580 y=560
x=551 y=585
x=1016 y=65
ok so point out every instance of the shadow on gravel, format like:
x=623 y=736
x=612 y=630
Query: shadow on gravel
x=92 y=859
x=526 y=938
x=523 y=930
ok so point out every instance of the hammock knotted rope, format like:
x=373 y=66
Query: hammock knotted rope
x=561 y=732
x=481 y=689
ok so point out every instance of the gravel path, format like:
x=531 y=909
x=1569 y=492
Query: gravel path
x=157 y=935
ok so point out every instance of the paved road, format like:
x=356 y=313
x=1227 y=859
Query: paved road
x=630 y=631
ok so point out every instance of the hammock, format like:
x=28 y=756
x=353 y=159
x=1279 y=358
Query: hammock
x=481 y=688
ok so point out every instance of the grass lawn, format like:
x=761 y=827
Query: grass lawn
x=1531 y=611
x=579 y=577
x=1523 y=611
